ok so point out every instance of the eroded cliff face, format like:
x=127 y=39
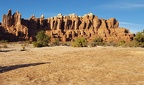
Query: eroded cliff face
x=65 y=28
x=12 y=25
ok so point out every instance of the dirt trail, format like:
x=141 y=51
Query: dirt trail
x=71 y=66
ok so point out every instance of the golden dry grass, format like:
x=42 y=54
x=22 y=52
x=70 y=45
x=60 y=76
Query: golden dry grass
x=72 y=66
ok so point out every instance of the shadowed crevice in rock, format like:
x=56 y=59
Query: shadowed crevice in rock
x=13 y=67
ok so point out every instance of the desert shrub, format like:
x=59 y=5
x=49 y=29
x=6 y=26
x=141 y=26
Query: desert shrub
x=3 y=41
x=130 y=44
x=51 y=44
x=42 y=39
x=97 y=41
x=28 y=42
x=36 y=44
x=92 y=44
x=110 y=44
x=56 y=42
x=79 y=42
x=121 y=43
x=139 y=37
x=23 y=47
x=140 y=44
x=65 y=43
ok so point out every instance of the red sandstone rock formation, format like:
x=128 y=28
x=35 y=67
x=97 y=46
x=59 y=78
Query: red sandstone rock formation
x=12 y=24
x=65 y=28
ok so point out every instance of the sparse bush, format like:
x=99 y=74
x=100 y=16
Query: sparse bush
x=79 y=42
x=140 y=44
x=130 y=44
x=3 y=41
x=139 y=37
x=23 y=47
x=56 y=42
x=121 y=43
x=92 y=44
x=97 y=41
x=28 y=42
x=51 y=44
x=65 y=43
x=42 y=39
x=111 y=44
x=36 y=44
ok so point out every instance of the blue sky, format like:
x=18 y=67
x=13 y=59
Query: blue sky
x=129 y=13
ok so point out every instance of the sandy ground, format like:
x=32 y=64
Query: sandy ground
x=63 y=65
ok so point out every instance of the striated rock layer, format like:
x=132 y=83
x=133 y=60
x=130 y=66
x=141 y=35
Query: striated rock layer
x=65 y=28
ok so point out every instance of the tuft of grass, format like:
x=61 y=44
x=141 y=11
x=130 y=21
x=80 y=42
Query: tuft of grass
x=23 y=47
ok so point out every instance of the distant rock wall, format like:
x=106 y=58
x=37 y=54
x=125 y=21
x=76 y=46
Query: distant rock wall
x=66 y=28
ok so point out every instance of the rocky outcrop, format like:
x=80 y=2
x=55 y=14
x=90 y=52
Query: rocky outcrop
x=66 y=28
x=13 y=25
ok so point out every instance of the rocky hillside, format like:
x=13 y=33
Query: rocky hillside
x=65 y=28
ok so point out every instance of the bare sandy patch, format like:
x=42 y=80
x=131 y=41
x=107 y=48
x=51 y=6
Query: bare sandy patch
x=64 y=65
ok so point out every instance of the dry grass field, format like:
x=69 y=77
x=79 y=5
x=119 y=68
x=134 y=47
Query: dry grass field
x=62 y=65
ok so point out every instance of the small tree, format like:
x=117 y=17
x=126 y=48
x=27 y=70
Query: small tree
x=80 y=42
x=42 y=39
x=139 y=37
